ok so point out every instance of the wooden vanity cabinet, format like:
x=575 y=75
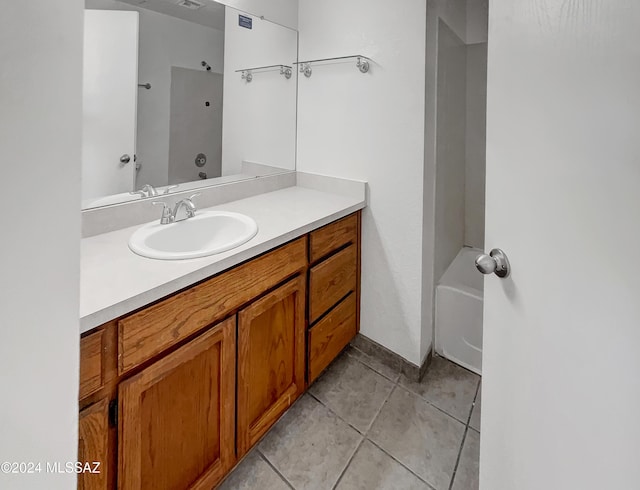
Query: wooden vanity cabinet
x=92 y=369
x=93 y=445
x=177 y=416
x=96 y=433
x=271 y=360
x=334 y=291
x=174 y=394
x=150 y=331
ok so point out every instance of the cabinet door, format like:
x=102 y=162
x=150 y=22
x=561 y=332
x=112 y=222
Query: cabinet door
x=271 y=352
x=176 y=422
x=93 y=445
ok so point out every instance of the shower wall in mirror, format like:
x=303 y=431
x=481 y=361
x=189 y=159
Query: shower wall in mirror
x=183 y=93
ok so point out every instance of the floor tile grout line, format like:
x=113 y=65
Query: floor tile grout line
x=464 y=438
x=362 y=435
x=434 y=406
x=375 y=417
x=366 y=432
x=455 y=467
x=397 y=380
x=349 y=461
x=398 y=383
x=334 y=413
x=266 y=460
x=473 y=405
x=400 y=463
x=366 y=435
x=371 y=367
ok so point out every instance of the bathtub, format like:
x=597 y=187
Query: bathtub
x=458 y=324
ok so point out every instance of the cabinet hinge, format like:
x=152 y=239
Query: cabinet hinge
x=113 y=413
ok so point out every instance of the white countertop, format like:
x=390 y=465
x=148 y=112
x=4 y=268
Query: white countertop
x=115 y=281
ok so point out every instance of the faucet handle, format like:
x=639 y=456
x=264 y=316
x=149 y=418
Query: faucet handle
x=168 y=189
x=192 y=212
x=167 y=214
x=150 y=190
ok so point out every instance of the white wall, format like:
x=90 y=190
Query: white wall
x=283 y=12
x=475 y=144
x=477 y=21
x=468 y=21
x=40 y=145
x=165 y=41
x=460 y=140
x=451 y=120
x=259 y=118
x=371 y=127
x=453 y=13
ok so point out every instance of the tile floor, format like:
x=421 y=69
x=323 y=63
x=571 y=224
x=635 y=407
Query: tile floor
x=364 y=426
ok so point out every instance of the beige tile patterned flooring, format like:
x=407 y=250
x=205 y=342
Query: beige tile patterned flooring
x=363 y=426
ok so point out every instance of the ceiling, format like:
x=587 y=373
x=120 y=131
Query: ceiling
x=210 y=15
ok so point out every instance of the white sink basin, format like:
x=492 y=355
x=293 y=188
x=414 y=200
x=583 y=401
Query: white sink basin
x=207 y=233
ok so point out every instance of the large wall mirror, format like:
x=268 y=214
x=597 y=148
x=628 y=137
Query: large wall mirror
x=185 y=93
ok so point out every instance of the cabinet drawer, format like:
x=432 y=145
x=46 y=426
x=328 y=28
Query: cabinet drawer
x=91 y=363
x=331 y=280
x=331 y=335
x=333 y=236
x=152 y=330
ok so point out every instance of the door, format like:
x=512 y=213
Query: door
x=93 y=446
x=110 y=91
x=561 y=368
x=271 y=352
x=177 y=416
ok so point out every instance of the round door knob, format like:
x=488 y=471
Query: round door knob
x=494 y=263
x=124 y=159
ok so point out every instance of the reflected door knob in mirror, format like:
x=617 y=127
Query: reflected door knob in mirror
x=495 y=263
x=124 y=159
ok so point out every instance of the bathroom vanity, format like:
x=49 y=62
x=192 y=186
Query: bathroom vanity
x=174 y=393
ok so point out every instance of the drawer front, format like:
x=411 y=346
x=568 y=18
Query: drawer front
x=331 y=280
x=152 y=330
x=331 y=335
x=333 y=236
x=92 y=363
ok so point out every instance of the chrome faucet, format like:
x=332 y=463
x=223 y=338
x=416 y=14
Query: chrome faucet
x=149 y=191
x=171 y=216
x=189 y=208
